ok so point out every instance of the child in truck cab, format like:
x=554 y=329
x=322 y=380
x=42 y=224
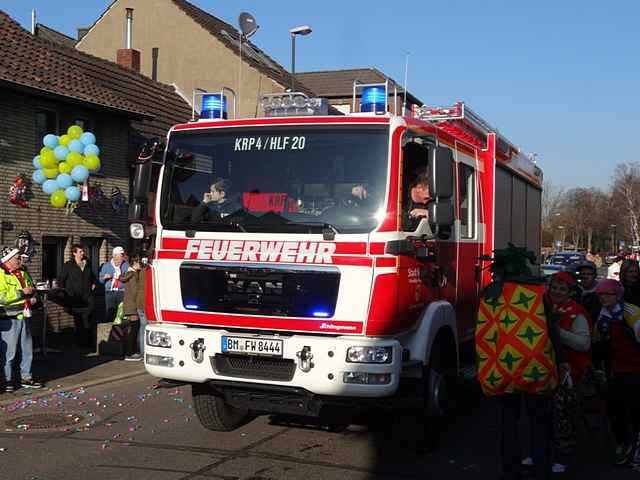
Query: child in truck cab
x=217 y=200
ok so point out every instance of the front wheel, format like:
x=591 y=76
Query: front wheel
x=439 y=391
x=214 y=413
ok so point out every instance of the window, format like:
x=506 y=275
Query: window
x=294 y=180
x=83 y=123
x=52 y=256
x=467 y=196
x=46 y=122
x=415 y=163
x=92 y=251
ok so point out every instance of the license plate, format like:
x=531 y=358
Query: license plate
x=252 y=346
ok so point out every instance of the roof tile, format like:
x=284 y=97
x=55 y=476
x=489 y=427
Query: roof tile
x=47 y=66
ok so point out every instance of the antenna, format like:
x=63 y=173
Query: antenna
x=247 y=23
x=248 y=27
x=406 y=74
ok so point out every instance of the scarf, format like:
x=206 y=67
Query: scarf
x=606 y=318
x=23 y=284
x=117 y=271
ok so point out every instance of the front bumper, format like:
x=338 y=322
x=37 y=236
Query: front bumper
x=324 y=375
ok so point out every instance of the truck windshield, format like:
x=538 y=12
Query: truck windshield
x=276 y=179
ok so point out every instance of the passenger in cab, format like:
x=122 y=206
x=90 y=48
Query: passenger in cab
x=415 y=207
x=216 y=203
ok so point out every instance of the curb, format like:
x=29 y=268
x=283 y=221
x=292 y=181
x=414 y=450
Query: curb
x=87 y=384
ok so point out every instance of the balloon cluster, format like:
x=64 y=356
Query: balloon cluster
x=64 y=162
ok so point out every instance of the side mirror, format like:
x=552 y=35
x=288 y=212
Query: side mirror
x=441 y=177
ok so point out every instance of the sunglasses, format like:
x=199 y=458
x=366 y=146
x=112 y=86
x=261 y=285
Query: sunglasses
x=607 y=293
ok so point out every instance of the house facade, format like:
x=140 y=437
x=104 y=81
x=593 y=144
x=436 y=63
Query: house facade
x=181 y=44
x=45 y=87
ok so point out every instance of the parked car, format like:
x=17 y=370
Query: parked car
x=563 y=262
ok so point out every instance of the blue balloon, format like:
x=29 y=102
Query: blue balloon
x=91 y=150
x=50 y=141
x=61 y=152
x=72 y=193
x=76 y=146
x=50 y=186
x=80 y=173
x=64 y=180
x=39 y=177
x=87 y=138
x=36 y=162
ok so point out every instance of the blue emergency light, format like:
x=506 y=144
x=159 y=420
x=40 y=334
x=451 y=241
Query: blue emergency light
x=374 y=99
x=214 y=105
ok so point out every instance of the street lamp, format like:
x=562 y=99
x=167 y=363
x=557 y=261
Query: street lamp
x=561 y=228
x=613 y=227
x=301 y=30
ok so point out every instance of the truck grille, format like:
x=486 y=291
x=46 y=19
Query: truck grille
x=289 y=291
x=257 y=368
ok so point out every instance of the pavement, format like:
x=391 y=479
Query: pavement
x=66 y=367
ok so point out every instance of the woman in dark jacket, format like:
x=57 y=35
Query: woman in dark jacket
x=78 y=283
x=630 y=279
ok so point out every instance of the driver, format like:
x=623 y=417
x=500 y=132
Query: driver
x=217 y=201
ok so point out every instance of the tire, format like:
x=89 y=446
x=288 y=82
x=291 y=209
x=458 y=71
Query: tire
x=214 y=413
x=439 y=389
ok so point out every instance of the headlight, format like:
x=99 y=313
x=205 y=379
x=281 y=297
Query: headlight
x=136 y=230
x=369 y=354
x=158 y=339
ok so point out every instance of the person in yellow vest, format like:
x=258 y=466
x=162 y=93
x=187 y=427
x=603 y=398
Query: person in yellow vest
x=17 y=295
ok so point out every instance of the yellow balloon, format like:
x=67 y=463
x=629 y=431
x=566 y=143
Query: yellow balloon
x=64 y=139
x=74 y=158
x=92 y=162
x=50 y=172
x=75 y=132
x=48 y=159
x=45 y=149
x=58 y=199
x=64 y=167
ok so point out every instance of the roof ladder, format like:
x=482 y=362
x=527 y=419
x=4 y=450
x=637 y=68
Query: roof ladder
x=467 y=117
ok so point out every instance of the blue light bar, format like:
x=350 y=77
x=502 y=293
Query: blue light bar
x=374 y=99
x=192 y=307
x=320 y=313
x=214 y=105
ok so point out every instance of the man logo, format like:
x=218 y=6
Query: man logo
x=255 y=287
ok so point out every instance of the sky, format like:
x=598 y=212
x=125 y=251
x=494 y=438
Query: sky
x=558 y=78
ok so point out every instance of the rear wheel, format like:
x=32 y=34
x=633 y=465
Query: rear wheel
x=214 y=413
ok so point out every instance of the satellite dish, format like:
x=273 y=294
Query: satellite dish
x=247 y=23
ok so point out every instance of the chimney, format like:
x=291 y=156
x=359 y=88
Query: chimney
x=154 y=64
x=128 y=57
x=33 y=21
x=82 y=32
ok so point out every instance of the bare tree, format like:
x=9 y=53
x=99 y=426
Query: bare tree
x=626 y=198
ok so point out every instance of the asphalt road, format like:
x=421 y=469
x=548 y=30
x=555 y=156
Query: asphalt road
x=128 y=430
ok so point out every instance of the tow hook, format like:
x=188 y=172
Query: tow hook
x=197 y=350
x=304 y=359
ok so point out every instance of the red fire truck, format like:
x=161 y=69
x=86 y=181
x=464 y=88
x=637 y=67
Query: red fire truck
x=288 y=271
